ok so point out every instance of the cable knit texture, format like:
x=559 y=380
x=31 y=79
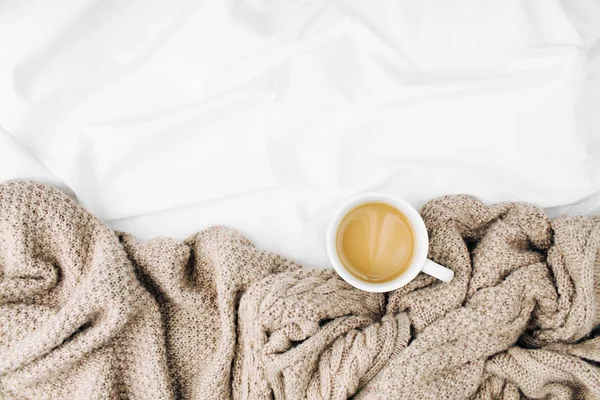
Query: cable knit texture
x=87 y=313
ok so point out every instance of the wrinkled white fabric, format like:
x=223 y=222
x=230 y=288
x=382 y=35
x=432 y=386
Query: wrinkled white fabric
x=130 y=103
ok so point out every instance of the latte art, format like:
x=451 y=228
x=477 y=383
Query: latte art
x=376 y=242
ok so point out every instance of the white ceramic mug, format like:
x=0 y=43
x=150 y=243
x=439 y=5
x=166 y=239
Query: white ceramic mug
x=419 y=263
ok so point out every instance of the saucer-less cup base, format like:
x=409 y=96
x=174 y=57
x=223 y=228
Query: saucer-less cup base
x=420 y=262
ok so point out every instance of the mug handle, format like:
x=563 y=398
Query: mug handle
x=438 y=271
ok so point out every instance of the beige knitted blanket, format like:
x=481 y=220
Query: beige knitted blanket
x=86 y=313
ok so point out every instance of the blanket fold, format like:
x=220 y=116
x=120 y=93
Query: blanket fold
x=87 y=313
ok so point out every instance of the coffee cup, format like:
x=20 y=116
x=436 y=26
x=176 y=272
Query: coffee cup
x=379 y=243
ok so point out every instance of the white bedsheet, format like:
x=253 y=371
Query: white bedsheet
x=164 y=117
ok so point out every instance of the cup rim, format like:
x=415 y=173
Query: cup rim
x=421 y=240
